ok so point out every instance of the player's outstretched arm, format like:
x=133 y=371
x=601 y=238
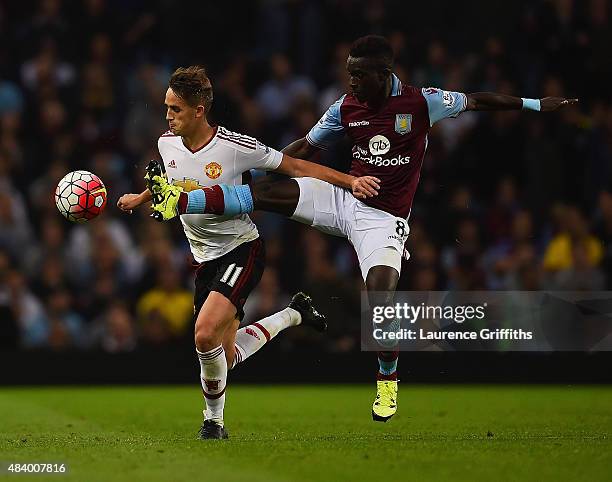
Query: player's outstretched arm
x=492 y=101
x=362 y=187
x=128 y=202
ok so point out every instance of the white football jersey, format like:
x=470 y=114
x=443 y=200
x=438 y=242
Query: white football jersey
x=224 y=160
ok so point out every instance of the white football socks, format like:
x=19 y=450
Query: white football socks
x=252 y=337
x=213 y=376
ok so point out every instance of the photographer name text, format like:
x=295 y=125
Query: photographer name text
x=421 y=334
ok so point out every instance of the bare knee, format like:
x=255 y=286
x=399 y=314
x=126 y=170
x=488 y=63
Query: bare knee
x=206 y=337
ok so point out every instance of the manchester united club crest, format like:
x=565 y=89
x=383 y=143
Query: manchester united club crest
x=213 y=170
x=403 y=123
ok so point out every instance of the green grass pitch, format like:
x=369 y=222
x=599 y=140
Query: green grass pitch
x=312 y=433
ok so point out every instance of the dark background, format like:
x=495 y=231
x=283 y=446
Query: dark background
x=515 y=200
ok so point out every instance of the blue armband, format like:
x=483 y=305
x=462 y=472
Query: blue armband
x=221 y=200
x=238 y=199
x=531 y=104
x=196 y=202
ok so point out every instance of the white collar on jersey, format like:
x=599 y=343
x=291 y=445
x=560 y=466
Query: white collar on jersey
x=396 y=85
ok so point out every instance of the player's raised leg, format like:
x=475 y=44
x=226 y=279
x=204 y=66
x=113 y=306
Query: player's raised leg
x=221 y=199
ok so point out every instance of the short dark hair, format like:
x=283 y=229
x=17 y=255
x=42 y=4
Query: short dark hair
x=373 y=47
x=193 y=86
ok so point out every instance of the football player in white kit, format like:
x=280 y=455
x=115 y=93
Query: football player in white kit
x=228 y=250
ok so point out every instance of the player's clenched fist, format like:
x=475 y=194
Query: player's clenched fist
x=365 y=187
x=129 y=202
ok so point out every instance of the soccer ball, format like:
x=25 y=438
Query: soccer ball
x=80 y=196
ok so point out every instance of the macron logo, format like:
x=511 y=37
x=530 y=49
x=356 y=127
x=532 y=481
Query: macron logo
x=359 y=123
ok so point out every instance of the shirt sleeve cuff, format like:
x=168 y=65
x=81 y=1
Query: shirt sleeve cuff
x=275 y=159
x=312 y=142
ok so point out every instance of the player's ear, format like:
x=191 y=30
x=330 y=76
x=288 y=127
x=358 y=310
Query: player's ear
x=200 y=111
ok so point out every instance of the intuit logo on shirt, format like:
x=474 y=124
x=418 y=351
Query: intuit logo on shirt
x=379 y=144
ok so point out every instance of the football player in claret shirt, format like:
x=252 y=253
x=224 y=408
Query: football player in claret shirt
x=388 y=123
x=228 y=250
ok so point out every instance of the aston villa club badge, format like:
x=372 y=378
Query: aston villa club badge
x=403 y=123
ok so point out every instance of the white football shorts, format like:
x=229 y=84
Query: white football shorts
x=378 y=237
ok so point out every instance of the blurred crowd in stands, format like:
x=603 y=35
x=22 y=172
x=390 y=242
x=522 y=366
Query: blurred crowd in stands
x=507 y=201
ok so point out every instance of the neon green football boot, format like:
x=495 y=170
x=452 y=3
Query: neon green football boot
x=385 y=404
x=165 y=196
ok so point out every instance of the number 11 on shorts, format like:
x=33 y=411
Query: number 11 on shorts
x=231 y=273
